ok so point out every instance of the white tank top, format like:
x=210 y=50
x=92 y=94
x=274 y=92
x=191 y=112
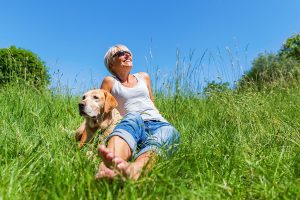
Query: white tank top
x=136 y=99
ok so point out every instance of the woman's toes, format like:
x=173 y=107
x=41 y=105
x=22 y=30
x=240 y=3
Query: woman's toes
x=106 y=155
x=105 y=172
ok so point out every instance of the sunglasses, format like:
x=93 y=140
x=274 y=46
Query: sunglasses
x=121 y=53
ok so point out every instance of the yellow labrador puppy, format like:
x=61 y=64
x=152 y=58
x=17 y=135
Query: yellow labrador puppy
x=98 y=107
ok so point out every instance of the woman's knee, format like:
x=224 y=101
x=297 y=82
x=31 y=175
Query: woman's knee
x=170 y=135
x=131 y=128
x=165 y=141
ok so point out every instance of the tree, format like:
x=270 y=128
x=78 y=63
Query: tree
x=291 y=48
x=269 y=68
x=19 y=66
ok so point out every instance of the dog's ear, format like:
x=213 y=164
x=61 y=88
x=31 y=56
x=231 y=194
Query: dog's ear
x=110 y=102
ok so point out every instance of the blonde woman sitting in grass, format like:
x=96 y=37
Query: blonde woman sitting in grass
x=143 y=133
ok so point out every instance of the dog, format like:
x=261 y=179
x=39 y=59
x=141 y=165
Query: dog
x=98 y=107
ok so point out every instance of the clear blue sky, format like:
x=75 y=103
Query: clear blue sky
x=72 y=36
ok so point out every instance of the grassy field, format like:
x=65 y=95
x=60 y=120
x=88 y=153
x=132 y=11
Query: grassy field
x=234 y=146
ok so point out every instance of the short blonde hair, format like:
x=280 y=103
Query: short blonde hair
x=111 y=51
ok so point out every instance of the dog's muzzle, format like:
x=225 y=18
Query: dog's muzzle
x=81 y=109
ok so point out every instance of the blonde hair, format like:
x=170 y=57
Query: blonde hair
x=109 y=55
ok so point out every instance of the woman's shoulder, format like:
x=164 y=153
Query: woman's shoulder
x=109 y=79
x=107 y=83
x=145 y=76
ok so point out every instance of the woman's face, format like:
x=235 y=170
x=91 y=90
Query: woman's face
x=122 y=60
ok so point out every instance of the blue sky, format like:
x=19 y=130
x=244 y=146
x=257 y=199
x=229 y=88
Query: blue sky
x=72 y=36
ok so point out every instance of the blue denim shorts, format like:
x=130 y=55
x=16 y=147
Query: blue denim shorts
x=143 y=136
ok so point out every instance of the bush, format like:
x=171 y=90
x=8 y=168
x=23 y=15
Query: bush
x=22 y=66
x=291 y=48
x=215 y=88
x=271 y=69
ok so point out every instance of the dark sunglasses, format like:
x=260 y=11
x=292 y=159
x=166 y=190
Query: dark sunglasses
x=121 y=53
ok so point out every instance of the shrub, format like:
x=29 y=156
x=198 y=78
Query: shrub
x=270 y=69
x=215 y=88
x=291 y=48
x=22 y=66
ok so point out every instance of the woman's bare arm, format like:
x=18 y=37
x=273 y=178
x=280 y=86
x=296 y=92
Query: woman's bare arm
x=107 y=83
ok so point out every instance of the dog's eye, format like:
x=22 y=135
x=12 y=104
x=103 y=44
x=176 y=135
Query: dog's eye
x=83 y=98
x=95 y=97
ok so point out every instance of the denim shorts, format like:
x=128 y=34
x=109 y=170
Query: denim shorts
x=143 y=136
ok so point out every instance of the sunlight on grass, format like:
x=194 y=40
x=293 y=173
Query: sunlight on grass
x=234 y=145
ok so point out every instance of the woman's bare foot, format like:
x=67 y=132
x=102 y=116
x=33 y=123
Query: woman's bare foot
x=126 y=169
x=114 y=165
x=105 y=172
x=105 y=168
x=106 y=155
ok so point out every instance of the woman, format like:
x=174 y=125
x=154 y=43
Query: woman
x=143 y=133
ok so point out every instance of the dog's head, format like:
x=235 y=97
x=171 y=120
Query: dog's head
x=95 y=103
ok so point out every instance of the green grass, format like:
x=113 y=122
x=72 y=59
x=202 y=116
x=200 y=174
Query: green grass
x=234 y=146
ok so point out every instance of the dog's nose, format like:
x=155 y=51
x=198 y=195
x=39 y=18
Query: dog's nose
x=81 y=106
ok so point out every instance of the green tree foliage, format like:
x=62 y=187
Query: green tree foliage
x=281 y=68
x=291 y=48
x=270 y=68
x=22 y=66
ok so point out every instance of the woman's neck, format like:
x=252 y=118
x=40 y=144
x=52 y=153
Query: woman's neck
x=124 y=78
x=128 y=81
